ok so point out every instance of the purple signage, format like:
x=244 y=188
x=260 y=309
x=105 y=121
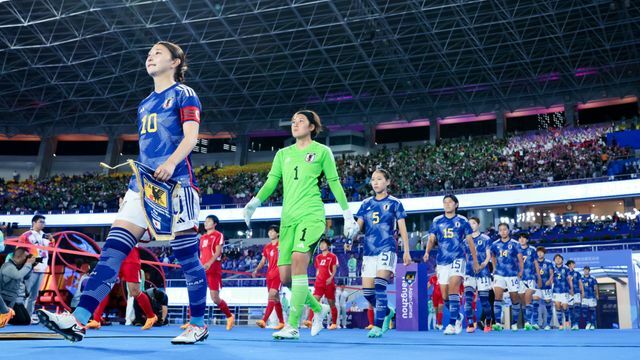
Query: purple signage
x=411 y=297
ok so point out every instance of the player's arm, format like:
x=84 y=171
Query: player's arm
x=537 y=265
x=190 y=130
x=595 y=288
x=165 y=312
x=217 y=251
x=494 y=261
x=402 y=227
x=430 y=242
x=551 y=275
x=521 y=264
x=259 y=267
x=331 y=173
x=332 y=273
x=581 y=289
x=487 y=259
x=570 y=281
x=474 y=254
x=274 y=177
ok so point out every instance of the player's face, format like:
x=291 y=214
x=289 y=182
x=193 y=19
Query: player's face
x=273 y=234
x=209 y=224
x=504 y=232
x=449 y=205
x=523 y=241
x=300 y=126
x=379 y=183
x=586 y=272
x=474 y=225
x=159 y=61
x=38 y=225
x=323 y=246
x=540 y=254
x=557 y=260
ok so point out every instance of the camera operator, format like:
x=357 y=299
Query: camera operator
x=13 y=276
x=36 y=236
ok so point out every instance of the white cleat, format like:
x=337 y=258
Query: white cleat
x=191 y=335
x=64 y=324
x=458 y=327
x=318 y=319
x=450 y=330
x=287 y=333
x=514 y=327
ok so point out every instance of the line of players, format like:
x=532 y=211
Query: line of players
x=518 y=269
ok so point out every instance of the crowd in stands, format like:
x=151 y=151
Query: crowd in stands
x=469 y=163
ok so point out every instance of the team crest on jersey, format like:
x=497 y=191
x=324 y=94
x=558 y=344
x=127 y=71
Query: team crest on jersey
x=457 y=224
x=271 y=253
x=167 y=103
x=386 y=207
x=410 y=277
x=509 y=247
x=310 y=157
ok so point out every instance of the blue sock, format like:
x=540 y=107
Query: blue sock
x=118 y=245
x=535 y=314
x=593 y=316
x=576 y=315
x=515 y=313
x=468 y=304
x=185 y=249
x=454 y=308
x=559 y=317
x=549 y=308
x=527 y=313
x=497 y=310
x=381 y=301
x=370 y=295
x=486 y=305
x=585 y=313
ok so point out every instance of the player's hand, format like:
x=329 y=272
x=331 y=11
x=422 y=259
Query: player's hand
x=351 y=228
x=476 y=267
x=207 y=266
x=165 y=171
x=426 y=257
x=406 y=258
x=249 y=209
x=539 y=283
x=253 y=274
x=520 y=275
x=328 y=281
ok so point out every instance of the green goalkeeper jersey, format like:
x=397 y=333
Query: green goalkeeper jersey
x=300 y=172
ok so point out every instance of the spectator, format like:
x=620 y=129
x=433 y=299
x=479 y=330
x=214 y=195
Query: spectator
x=352 y=264
x=13 y=275
x=36 y=236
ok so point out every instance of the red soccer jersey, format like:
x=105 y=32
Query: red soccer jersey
x=324 y=264
x=270 y=252
x=208 y=244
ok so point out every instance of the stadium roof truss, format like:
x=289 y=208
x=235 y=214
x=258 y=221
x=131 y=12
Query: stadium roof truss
x=77 y=65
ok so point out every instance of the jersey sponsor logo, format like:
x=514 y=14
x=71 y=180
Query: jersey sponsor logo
x=310 y=157
x=167 y=103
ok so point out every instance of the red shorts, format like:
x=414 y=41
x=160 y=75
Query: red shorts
x=130 y=268
x=322 y=289
x=214 y=279
x=273 y=281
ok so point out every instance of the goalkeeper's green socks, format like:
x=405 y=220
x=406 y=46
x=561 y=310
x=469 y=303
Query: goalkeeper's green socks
x=300 y=295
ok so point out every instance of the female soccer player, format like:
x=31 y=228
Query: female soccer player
x=378 y=216
x=562 y=287
x=270 y=255
x=303 y=218
x=168 y=124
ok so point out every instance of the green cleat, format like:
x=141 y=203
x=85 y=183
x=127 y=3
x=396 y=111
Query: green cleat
x=528 y=327
x=387 y=320
x=497 y=327
x=375 y=332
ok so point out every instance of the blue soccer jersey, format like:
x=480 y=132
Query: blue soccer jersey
x=450 y=235
x=589 y=284
x=560 y=276
x=380 y=218
x=528 y=256
x=160 y=119
x=575 y=279
x=545 y=267
x=482 y=243
x=506 y=253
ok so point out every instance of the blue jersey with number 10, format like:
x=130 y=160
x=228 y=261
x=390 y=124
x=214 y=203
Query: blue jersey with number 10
x=380 y=218
x=451 y=235
x=160 y=119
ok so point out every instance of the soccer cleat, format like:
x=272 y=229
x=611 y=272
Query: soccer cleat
x=497 y=327
x=567 y=325
x=375 y=332
x=6 y=317
x=280 y=326
x=230 y=322
x=547 y=328
x=575 y=327
x=184 y=326
x=514 y=327
x=487 y=328
x=287 y=333
x=387 y=320
x=369 y=327
x=149 y=323
x=561 y=327
x=307 y=324
x=593 y=327
x=191 y=335
x=64 y=324
x=34 y=319
x=528 y=326
x=535 y=327
x=318 y=319
x=94 y=325
x=261 y=324
x=458 y=325
x=438 y=327
x=332 y=327
x=471 y=329
x=587 y=327
x=450 y=330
